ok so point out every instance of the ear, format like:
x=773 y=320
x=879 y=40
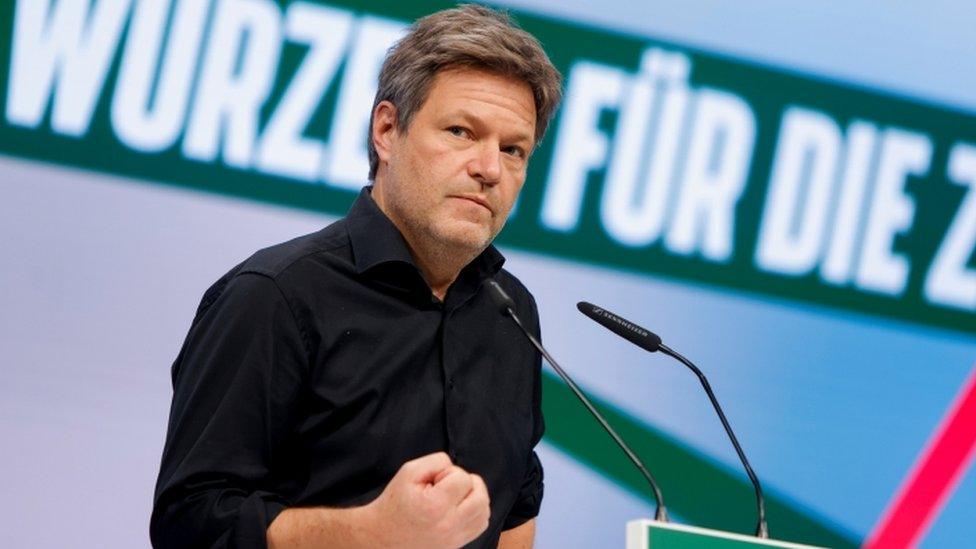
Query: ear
x=384 y=130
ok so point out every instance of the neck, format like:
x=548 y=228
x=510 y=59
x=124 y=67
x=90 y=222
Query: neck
x=439 y=263
x=439 y=266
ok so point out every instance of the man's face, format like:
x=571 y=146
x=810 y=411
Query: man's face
x=451 y=179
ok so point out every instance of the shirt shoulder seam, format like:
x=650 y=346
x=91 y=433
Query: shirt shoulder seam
x=302 y=331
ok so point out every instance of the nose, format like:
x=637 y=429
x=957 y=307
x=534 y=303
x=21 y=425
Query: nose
x=486 y=165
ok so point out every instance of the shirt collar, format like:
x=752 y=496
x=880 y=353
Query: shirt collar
x=375 y=240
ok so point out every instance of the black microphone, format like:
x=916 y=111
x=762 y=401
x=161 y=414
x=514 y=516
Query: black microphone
x=507 y=307
x=651 y=342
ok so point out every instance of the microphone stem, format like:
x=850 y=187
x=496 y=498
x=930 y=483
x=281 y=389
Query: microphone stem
x=661 y=513
x=762 y=530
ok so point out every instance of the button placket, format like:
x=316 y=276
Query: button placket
x=450 y=402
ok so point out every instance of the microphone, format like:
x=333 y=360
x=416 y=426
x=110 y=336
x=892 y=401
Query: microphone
x=507 y=308
x=651 y=342
x=633 y=333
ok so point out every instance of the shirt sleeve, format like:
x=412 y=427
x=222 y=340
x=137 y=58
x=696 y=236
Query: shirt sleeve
x=235 y=384
x=529 y=499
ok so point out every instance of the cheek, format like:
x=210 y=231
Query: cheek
x=508 y=198
x=431 y=162
x=515 y=177
x=514 y=186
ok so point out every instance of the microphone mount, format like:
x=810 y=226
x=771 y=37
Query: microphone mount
x=507 y=307
x=651 y=342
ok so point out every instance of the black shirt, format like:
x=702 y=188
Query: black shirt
x=316 y=368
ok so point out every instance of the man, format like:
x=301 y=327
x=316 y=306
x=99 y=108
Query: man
x=356 y=387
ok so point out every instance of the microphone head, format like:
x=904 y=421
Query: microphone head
x=633 y=333
x=499 y=296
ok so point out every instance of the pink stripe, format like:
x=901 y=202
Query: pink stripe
x=934 y=476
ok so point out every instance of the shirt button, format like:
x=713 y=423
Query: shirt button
x=453 y=455
x=450 y=383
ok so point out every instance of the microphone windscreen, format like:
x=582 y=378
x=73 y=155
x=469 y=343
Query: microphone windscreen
x=633 y=333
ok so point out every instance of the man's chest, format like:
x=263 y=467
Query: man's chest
x=390 y=381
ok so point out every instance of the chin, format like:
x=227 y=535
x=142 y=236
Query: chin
x=467 y=236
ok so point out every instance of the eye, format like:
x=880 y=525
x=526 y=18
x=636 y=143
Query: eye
x=458 y=131
x=514 y=151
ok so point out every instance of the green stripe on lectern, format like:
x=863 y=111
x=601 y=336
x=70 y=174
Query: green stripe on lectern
x=700 y=490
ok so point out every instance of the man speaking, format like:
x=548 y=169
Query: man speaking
x=356 y=387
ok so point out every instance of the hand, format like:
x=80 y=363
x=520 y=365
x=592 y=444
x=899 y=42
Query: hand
x=430 y=502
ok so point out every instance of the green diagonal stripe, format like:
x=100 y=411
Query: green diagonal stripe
x=700 y=490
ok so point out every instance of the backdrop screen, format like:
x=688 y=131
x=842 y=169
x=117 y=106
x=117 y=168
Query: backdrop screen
x=786 y=194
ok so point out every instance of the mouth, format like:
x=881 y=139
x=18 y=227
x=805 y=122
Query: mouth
x=479 y=200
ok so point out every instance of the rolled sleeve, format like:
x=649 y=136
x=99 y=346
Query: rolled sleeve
x=235 y=385
x=529 y=499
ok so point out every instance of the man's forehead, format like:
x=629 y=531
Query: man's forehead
x=467 y=93
x=475 y=76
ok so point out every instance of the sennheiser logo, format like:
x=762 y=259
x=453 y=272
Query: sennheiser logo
x=616 y=319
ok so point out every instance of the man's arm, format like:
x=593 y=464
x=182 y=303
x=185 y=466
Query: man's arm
x=235 y=387
x=307 y=527
x=520 y=537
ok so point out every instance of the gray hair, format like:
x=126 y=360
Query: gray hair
x=466 y=36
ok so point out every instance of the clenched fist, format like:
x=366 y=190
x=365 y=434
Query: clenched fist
x=431 y=502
